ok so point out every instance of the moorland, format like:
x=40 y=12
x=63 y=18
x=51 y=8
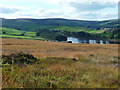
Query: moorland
x=33 y=55
x=40 y=64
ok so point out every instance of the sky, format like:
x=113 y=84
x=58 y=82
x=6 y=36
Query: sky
x=68 y=9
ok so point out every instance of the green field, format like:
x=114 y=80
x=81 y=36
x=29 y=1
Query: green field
x=71 y=29
x=13 y=33
x=10 y=31
x=19 y=37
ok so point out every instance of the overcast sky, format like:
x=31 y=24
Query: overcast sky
x=69 y=9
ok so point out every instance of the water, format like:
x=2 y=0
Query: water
x=76 y=40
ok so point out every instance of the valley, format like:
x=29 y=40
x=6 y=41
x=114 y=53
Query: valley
x=35 y=54
x=48 y=29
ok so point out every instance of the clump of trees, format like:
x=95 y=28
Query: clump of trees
x=51 y=34
x=40 y=31
x=62 y=35
x=61 y=38
x=3 y=32
x=115 y=34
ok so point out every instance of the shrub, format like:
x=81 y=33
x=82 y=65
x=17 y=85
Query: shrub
x=22 y=34
x=19 y=58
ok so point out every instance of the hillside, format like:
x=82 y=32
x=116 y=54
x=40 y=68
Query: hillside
x=35 y=24
x=51 y=27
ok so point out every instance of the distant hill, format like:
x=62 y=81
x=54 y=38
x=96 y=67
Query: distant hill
x=51 y=27
x=29 y=24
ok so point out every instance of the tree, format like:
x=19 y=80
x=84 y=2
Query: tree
x=22 y=34
x=3 y=32
x=61 y=38
x=38 y=33
x=97 y=28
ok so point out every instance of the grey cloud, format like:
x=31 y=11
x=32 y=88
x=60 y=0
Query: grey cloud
x=92 y=6
x=8 y=10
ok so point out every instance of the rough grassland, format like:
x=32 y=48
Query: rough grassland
x=62 y=65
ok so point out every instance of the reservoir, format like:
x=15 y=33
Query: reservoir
x=90 y=41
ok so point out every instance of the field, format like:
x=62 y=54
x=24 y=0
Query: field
x=10 y=31
x=55 y=49
x=61 y=65
x=14 y=33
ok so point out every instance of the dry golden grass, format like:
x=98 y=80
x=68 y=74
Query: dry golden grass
x=42 y=49
x=61 y=73
x=62 y=65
